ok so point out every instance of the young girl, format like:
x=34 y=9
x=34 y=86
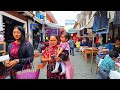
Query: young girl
x=63 y=53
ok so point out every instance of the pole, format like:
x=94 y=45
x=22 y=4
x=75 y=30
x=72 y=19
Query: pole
x=92 y=50
x=43 y=31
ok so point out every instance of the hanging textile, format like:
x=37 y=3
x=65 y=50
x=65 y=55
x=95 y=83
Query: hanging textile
x=96 y=23
x=54 y=31
x=116 y=20
x=103 y=21
x=100 y=24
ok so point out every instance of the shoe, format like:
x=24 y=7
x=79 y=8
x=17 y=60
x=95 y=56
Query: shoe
x=62 y=73
x=54 y=71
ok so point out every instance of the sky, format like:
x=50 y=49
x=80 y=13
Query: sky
x=61 y=16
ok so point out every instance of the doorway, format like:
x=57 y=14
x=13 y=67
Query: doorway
x=104 y=38
x=8 y=29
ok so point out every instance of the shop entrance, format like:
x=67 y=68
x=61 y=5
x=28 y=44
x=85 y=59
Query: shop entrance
x=104 y=38
x=37 y=35
x=8 y=29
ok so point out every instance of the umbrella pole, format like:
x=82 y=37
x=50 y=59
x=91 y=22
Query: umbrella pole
x=92 y=50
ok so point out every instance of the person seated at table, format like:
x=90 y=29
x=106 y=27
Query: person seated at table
x=90 y=42
x=109 y=45
x=97 y=41
x=84 y=42
x=107 y=64
x=116 y=47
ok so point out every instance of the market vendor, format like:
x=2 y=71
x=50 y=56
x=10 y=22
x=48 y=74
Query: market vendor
x=116 y=47
x=109 y=45
x=107 y=64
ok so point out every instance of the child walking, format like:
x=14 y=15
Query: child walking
x=63 y=53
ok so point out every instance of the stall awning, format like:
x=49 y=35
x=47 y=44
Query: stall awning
x=100 y=24
x=49 y=24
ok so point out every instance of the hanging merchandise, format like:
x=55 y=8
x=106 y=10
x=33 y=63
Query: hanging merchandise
x=54 y=31
x=104 y=20
x=96 y=23
x=100 y=24
x=59 y=32
x=47 y=31
x=116 y=20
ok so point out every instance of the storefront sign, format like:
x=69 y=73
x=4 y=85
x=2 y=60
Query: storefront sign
x=41 y=17
x=33 y=26
x=69 y=22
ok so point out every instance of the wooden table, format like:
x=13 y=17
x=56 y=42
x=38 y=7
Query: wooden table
x=89 y=51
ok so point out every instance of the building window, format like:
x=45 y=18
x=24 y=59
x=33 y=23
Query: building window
x=90 y=14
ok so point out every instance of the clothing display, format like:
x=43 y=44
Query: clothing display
x=100 y=24
x=116 y=20
x=96 y=23
x=103 y=21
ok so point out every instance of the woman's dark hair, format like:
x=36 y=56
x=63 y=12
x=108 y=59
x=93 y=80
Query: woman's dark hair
x=55 y=37
x=113 y=54
x=22 y=48
x=67 y=35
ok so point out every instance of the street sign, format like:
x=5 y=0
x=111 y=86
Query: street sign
x=69 y=22
x=33 y=26
x=41 y=17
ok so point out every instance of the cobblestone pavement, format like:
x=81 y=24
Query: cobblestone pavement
x=82 y=69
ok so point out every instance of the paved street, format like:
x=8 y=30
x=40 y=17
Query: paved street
x=82 y=69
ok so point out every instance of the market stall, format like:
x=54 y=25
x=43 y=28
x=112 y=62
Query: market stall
x=89 y=51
